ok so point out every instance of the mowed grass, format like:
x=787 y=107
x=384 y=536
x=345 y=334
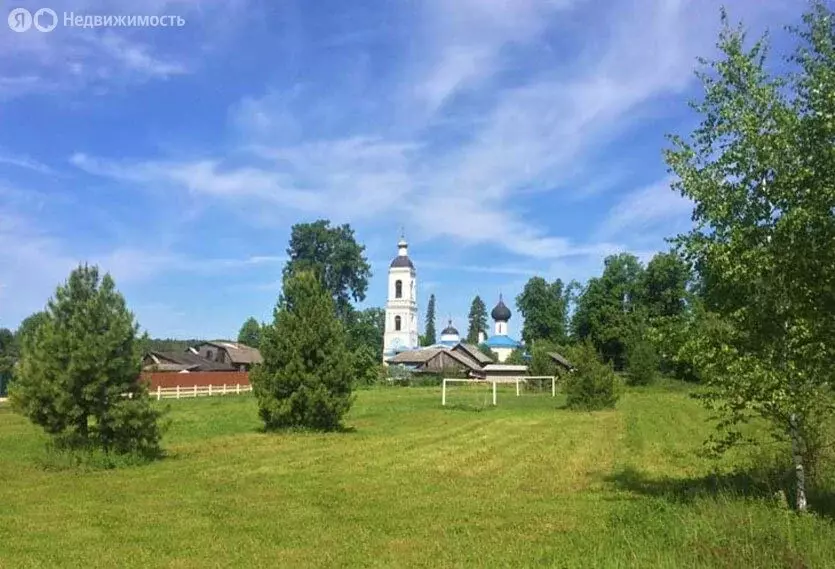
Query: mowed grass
x=410 y=484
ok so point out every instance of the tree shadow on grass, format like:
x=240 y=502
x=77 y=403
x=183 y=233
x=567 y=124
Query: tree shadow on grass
x=769 y=484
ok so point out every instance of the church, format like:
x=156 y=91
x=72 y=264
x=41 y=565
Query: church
x=401 y=328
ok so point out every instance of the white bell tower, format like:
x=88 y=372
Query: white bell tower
x=401 y=331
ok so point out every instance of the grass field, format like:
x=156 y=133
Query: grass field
x=410 y=484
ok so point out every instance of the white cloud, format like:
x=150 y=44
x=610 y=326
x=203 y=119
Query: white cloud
x=645 y=209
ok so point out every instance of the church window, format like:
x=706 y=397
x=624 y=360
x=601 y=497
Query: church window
x=397 y=321
x=398 y=289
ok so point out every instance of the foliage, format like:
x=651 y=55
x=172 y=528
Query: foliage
x=78 y=373
x=593 y=385
x=430 y=335
x=760 y=169
x=334 y=255
x=609 y=309
x=516 y=357
x=477 y=320
x=8 y=357
x=663 y=290
x=641 y=362
x=484 y=349
x=367 y=367
x=167 y=344
x=366 y=329
x=29 y=327
x=544 y=307
x=250 y=333
x=542 y=363
x=305 y=379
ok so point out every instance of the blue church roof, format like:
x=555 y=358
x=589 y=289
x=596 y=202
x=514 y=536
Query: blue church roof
x=502 y=341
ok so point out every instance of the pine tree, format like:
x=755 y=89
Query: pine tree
x=78 y=375
x=305 y=379
x=250 y=334
x=477 y=320
x=429 y=337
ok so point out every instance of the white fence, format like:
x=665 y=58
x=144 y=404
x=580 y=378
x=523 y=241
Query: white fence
x=497 y=380
x=200 y=391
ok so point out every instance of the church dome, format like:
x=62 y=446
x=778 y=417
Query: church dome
x=501 y=313
x=402 y=259
x=449 y=330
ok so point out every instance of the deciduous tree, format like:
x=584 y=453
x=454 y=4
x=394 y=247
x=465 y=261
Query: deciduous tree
x=760 y=168
x=544 y=307
x=333 y=254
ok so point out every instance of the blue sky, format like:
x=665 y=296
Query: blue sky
x=510 y=138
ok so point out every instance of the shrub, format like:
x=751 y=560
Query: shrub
x=641 y=363
x=305 y=379
x=593 y=385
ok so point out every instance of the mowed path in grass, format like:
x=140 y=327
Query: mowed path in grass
x=412 y=484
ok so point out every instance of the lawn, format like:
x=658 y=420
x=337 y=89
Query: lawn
x=410 y=484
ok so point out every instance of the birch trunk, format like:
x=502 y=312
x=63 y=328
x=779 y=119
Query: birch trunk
x=799 y=473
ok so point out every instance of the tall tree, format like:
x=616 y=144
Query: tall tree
x=609 y=312
x=366 y=331
x=305 y=379
x=664 y=288
x=8 y=357
x=29 y=327
x=430 y=335
x=477 y=320
x=760 y=168
x=79 y=373
x=250 y=333
x=334 y=255
x=544 y=307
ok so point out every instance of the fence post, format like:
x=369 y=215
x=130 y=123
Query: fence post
x=517 y=387
x=178 y=391
x=159 y=392
x=494 y=392
x=210 y=390
x=238 y=388
x=195 y=390
x=443 y=392
x=553 y=386
x=224 y=389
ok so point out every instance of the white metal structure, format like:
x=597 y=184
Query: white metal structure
x=497 y=380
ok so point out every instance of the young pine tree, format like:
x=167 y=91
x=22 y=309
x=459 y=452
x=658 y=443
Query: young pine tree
x=429 y=337
x=477 y=320
x=78 y=376
x=305 y=380
x=593 y=385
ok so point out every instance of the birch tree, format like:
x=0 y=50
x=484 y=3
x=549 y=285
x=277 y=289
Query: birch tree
x=760 y=169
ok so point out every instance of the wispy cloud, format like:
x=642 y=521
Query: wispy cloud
x=645 y=209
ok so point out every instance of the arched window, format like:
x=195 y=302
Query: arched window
x=397 y=321
x=209 y=354
x=398 y=289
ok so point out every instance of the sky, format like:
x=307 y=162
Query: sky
x=507 y=138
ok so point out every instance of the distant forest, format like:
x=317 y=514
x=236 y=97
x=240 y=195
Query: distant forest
x=168 y=344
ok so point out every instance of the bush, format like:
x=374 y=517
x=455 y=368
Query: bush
x=593 y=385
x=367 y=369
x=641 y=363
x=305 y=379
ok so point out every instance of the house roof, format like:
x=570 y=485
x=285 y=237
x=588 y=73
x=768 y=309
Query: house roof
x=426 y=354
x=501 y=341
x=474 y=353
x=238 y=353
x=561 y=360
x=170 y=361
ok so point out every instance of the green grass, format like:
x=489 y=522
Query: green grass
x=410 y=484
